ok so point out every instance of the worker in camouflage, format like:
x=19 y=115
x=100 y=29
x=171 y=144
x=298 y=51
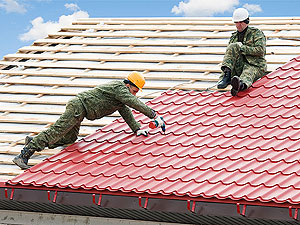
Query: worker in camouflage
x=93 y=104
x=244 y=60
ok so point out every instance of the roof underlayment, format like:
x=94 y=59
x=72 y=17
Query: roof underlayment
x=216 y=147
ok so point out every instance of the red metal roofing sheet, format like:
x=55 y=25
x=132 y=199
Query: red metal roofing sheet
x=215 y=146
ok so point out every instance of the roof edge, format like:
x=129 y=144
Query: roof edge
x=140 y=208
x=9 y=191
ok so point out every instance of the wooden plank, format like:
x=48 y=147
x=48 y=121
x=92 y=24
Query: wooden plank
x=143 y=42
x=126 y=67
x=52 y=82
x=169 y=27
x=30 y=110
x=35 y=130
x=14 y=145
x=116 y=66
x=200 y=21
x=149 y=50
x=36 y=120
x=32 y=120
x=203 y=86
x=11 y=139
x=204 y=59
x=151 y=34
x=4 y=178
x=120 y=58
x=130 y=42
x=16 y=150
x=31 y=162
x=14 y=171
x=173 y=35
x=33 y=100
x=123 y=49
x=45 y=109
x=28 y=90
x=202 y=18
x=80 y=83
x=55 y=92
x=117 y=75
x=150 y=27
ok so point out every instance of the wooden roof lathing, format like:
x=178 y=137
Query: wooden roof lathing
x=172 y=54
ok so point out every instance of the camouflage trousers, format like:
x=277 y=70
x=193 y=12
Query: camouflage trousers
x=64 y=131
x=239 y=65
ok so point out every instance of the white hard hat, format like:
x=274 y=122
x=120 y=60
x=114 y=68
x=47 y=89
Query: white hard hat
x=239 y=15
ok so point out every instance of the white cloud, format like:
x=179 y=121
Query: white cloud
x=41 y=29
x=72 y=7
x=252 y=8
x=204 y=7
x=12 y=6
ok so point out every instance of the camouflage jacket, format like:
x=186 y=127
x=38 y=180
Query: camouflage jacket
x=114 y=96
x=254 y=46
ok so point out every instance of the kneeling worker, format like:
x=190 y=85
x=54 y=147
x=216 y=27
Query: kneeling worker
x=92 y=104
x=244 y=60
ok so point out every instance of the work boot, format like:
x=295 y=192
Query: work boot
x=22 y=159
x=226 y=80
x=237 y=85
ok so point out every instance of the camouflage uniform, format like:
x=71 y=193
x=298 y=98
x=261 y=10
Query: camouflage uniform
x=248 y=61
x=92 y=104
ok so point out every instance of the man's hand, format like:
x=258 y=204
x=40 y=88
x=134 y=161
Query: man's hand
x=158 y=122
x=240 y=44
x=142 y=132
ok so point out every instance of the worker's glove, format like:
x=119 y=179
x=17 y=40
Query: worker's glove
x=142 y=132
x=240 y=44
x=158 y=122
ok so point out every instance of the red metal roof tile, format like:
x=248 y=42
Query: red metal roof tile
x=293 y=64
x=282 y=74
x=216 y=146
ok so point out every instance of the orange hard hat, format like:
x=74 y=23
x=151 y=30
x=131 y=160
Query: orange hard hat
x=137 y=78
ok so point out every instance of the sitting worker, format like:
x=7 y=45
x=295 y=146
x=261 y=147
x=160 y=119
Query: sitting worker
x=244 y=60
x=92 y=104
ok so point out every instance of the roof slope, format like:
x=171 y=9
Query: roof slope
x=215 y=147
x=172 y=53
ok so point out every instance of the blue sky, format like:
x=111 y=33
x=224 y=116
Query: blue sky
x=23 y=21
